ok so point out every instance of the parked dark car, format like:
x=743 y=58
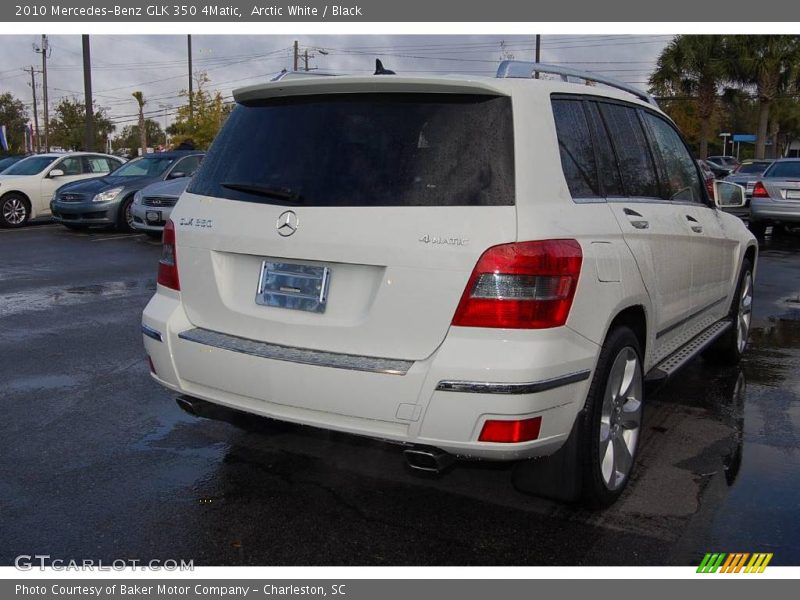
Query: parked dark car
x=107 y=200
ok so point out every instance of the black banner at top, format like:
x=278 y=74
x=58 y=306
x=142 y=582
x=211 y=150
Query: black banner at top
x=481 y=11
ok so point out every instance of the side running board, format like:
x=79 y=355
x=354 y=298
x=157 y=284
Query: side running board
x=687 y=352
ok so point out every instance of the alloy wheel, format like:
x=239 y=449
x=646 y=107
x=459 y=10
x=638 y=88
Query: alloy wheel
x=621 y=418
x=14 y=211
x=745 y=311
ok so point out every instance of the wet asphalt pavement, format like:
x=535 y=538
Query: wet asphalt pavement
x=98 y=462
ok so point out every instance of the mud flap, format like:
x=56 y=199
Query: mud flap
x=558 y=476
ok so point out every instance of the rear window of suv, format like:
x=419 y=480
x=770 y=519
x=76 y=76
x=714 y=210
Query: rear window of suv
x=365 y=150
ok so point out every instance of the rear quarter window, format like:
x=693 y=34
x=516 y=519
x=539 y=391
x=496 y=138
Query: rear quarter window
x=365 y=150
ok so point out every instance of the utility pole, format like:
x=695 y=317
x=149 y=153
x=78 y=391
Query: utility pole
x=87 y=92
x=296 y=55
x=35 y=136
x=538 y=51
x=191 y=100
x=305 y=59
x=43 y=50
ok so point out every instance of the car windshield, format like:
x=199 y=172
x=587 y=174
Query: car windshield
x=784 y=170
x=30 y=166
x=365 y=150
x=752 y=168
x=148 y=166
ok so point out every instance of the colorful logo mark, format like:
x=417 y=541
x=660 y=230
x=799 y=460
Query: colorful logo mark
x=734 y=563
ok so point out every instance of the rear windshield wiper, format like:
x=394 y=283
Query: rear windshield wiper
x=265 y=190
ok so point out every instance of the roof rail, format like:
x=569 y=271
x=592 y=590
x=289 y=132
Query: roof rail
x=298 y=74
x=525 y=70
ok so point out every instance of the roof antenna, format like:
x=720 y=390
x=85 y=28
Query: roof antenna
x=379 y=70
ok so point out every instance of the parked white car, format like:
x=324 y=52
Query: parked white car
x=476 y=268
x=27 y=186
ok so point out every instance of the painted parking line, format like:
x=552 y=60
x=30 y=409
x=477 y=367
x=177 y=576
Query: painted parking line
x=30 y=229
x=117 y=237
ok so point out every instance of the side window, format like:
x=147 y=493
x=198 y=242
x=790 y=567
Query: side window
x=607 y=167
x=188 y=165
x=96 y=164
x=71 y=165
x=575 y=146
x=112 y=164
x=682 y=181
x=636 y=166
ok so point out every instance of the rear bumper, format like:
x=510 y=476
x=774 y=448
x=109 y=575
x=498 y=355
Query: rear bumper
x=441 y=401
x=771 y=210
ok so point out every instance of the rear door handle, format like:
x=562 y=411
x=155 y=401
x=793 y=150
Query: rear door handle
x=694 y=224
x=637 y=220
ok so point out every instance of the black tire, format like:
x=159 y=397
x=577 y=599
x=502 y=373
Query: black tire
x=596 y=491
x=124 y=218
x=758 y=229
x=15 y=210
x=729 y=348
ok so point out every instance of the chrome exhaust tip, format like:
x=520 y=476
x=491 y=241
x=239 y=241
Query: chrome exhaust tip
x=428 y=460
x=187 y=405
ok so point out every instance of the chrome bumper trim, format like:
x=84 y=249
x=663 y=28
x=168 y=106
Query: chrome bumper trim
x=525 y=387
x=317 y=358
x=152 y=333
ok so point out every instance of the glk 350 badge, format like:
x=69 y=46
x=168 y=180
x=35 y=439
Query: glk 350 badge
x=195 y=222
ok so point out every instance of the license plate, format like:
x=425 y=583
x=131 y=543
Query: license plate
x=294 y=286
x=153 y=216
x=793 y=194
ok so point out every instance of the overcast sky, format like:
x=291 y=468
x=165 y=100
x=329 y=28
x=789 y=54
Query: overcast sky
x=156 y=65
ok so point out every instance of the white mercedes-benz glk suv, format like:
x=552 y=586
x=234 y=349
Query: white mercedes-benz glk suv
x=474 y=268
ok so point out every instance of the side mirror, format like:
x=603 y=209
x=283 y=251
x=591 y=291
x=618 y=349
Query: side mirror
x=176 y=175
x=56 y=173
x=729 y=195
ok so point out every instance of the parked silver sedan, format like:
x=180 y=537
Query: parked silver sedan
x=152 y=205
x=776 y=197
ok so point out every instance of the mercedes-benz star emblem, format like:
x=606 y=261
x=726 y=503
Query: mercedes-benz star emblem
x=287 y=223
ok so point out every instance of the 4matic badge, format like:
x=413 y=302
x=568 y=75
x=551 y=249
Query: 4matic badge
x=438 y=240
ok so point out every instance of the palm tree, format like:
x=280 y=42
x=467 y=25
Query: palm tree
x=142 y=133
x=768 y=63
x=694 y=66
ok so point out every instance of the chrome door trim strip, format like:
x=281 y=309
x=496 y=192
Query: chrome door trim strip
x=305 y=356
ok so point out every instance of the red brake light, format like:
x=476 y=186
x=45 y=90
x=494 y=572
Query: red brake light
x=526 y=285
x=510 y=432
x=759 y=191
x=168 y=265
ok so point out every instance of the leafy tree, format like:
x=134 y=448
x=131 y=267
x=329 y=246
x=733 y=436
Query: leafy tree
x=68 y=125
x=693 y=66
x=770 y=65
x=130 y=136
x=207 y=115
x=15 y=117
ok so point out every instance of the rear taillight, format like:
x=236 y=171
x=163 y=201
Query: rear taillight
x=526 y=285
x=168 y=265
x=511 y=432
x=710 y=187
x=759 y=191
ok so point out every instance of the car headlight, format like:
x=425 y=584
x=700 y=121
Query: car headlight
x=107 y=195
x=137 y=198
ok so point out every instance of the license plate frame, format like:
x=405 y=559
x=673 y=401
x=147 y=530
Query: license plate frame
x=793 y=194
x=294 y=286
x=153 y=216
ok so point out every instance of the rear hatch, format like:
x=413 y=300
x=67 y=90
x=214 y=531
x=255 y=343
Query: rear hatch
x=347 y=222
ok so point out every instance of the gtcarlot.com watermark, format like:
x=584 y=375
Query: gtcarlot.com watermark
x=29 y=562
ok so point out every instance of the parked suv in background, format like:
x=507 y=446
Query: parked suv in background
x=107 y=201
x=476 y=268
x=27 y=186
